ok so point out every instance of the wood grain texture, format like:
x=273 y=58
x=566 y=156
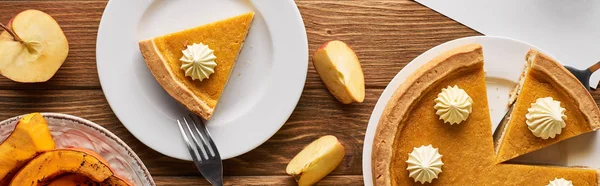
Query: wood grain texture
x=347 y=122
x=386 y=35
x=259 y=180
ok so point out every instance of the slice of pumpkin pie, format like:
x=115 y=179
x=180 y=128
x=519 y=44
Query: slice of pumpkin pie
x=551 y=106
x=194 y=65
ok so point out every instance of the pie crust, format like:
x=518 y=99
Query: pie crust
x=402 y=100
x=467 y=149
x=544 y=77
x=162 y=54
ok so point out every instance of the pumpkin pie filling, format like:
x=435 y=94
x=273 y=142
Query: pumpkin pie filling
x=163 y=54
x=537 y=86
x=546 y=78
x=410 y=121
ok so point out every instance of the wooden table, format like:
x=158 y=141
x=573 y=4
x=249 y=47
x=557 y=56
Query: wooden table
x=386 y=35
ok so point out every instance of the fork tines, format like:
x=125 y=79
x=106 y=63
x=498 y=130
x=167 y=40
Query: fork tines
x=203 y=150
x=201 y=142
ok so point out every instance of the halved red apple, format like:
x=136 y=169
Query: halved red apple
x=32 y=47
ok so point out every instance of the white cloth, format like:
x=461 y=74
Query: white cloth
x=567 y=30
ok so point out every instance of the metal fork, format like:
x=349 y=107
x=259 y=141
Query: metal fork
x=202 y=148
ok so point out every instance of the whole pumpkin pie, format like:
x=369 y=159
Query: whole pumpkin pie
x=467 y=148
x=165 y=56
x=544 y=78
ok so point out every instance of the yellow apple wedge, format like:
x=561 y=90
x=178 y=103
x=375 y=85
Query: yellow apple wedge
x=316 y=160
x=32 y=47
x=339 y=68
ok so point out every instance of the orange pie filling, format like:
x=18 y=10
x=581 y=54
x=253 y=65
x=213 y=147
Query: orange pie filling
x=467 y=148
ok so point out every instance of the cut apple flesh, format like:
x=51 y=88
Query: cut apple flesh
x=316 y=160
x=30 y=138
x=42 y=52
x=339 y=68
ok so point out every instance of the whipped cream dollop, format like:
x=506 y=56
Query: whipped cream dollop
x=560 y=182
x=546 y=118
x=453 y=105
x=198 y=61
x=424 y=164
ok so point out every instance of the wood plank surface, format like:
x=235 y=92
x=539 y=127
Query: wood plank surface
x=386 y=35
x=259 y=180
x=271 y=158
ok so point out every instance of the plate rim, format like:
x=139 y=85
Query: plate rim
x=391 y=88
x=108 y=134
x=293 y=19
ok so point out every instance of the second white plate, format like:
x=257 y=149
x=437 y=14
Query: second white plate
x=262 y=92
x=504 y=60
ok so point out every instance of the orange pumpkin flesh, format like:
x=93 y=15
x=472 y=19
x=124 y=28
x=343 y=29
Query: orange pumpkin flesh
x=72 y=180
x=30 y=137
x=79 y=180
x=115 y=181
x=48 y=165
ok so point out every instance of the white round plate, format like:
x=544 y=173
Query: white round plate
x=261 y=94
x=504 y=59
x=75 y=132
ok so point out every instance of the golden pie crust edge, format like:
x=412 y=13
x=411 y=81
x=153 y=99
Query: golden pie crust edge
x=165 y=77
x=402 y=100
x=569 y=83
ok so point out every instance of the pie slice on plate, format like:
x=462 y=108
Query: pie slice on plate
x=544 y=78
x=413 y=119
x=164 y=54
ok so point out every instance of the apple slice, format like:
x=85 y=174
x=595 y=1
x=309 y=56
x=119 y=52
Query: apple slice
x=316 y=160
x=340 y=70
x=32 y=47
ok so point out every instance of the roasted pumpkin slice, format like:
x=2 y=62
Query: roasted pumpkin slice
x=49 y=165
x=115 y=181
x=79 y=180
x=30 y=137
x=72 y=180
